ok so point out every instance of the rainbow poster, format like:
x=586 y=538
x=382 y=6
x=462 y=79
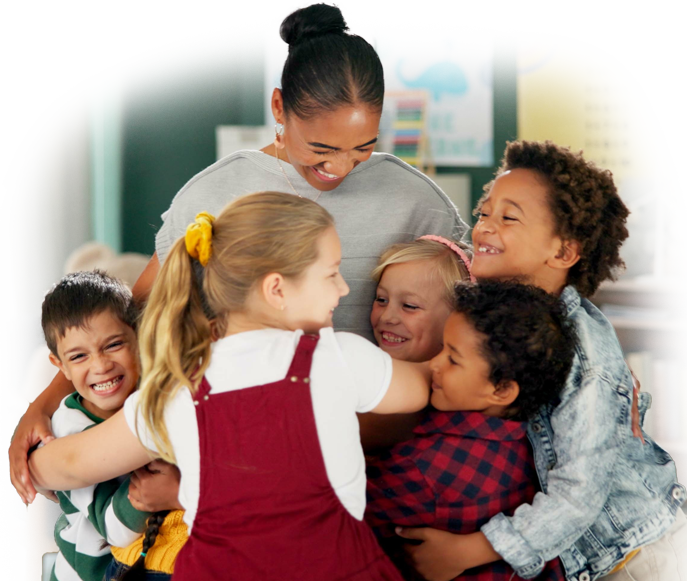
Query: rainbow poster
x=454 y=69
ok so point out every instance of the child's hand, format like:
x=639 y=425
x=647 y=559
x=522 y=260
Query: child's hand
x=442 y=556
x=636 y=428
x=155 y=487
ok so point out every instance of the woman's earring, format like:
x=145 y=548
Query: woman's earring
x=282 y=307
x=278 y=132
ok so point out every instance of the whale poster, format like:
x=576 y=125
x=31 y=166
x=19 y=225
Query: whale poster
x=454 y=69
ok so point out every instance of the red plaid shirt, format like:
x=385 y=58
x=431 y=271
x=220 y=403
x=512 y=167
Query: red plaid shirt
x=461 y=469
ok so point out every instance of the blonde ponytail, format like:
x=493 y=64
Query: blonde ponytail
x=174 y=341
x=254 y=235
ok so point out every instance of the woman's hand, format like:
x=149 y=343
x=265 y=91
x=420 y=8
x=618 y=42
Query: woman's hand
x=442 y=555
x=155 y=487
x=34 y=429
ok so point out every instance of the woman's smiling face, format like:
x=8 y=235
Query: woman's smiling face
x=325 y=148
x=410 y=310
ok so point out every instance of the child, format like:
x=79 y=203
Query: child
x=261 y=422
x=506 y=351
x=414 y=297
x=610 y=501
x=88 y=321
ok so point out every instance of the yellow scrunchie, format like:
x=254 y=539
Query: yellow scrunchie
x=199 y=238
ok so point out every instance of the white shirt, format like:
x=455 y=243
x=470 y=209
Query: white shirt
x=348 y=375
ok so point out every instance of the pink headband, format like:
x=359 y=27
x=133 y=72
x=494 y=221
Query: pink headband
x=457 y=249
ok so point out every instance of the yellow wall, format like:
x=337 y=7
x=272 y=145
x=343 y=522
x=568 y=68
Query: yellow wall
x=579 y=102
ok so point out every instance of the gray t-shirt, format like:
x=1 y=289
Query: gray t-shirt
x=381 y=202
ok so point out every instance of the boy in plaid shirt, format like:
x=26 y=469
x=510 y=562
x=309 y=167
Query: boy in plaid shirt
x=507 y=351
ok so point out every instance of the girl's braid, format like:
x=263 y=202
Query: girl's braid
x=137 y=572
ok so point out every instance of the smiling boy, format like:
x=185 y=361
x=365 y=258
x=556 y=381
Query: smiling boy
x=610 y=501
x=88 y=321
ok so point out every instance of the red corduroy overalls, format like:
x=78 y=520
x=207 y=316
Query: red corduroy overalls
x=266 y=508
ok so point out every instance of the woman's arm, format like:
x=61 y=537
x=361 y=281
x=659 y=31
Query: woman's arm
x=145 y=281
x=34 y=426
x=95 y=455
x=408 y=390
x=33 y=429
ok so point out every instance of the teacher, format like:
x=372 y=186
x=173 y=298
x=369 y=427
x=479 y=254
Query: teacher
x=327 y=116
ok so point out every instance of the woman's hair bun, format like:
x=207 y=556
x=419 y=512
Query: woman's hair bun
x=312 y=21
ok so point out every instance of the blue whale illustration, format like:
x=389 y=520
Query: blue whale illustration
x=441 y=77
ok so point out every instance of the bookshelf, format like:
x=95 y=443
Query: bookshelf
x=659 y=336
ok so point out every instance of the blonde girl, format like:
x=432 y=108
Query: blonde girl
x=414 y=298
x=261 y=423
x=415 y=295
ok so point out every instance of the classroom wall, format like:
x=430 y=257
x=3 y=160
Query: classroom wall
x=175 y=96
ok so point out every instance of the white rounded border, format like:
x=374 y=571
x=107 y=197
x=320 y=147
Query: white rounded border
x=31 y=30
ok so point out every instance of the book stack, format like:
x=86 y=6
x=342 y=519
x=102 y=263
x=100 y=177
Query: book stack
x=665 y=378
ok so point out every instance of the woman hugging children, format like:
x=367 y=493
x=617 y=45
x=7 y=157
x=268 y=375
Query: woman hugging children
x=519 y=460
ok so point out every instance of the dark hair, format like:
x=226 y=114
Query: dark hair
x=137 y=572
x=77 y=297
x=527 y=339
x=327 y=67
x=585 y=206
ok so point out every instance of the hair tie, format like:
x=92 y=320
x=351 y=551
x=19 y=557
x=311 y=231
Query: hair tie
x=199 y=238
x=457 y=249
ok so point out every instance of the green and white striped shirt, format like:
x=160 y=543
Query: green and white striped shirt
x=94 y=517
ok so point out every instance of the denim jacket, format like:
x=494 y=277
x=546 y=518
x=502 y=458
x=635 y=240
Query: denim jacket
x=604 y=492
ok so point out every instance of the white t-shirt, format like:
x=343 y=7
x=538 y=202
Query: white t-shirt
x=348 y=375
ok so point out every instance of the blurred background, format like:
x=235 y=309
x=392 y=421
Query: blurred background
x=105 y=160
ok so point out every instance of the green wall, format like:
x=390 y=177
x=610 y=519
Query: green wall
x=168 y=135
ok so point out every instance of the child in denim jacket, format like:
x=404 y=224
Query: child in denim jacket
x=611 y=501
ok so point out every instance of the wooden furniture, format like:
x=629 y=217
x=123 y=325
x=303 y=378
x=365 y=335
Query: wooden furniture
x=641 y=334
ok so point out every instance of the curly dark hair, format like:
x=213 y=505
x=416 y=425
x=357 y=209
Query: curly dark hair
x=585 y=205
x=527 y=339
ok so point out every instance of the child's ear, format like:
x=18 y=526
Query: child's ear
x=55 y=360
x=273 y=290
x=505 y=393
x=568 y=255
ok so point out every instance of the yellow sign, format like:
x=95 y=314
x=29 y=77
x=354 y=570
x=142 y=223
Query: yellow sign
x=576 y=94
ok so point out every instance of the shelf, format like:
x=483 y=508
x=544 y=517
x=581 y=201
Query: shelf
x=630 y=286
x=674 y=446
x=677 y=325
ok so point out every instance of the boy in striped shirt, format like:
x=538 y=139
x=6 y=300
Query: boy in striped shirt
x=88 y=321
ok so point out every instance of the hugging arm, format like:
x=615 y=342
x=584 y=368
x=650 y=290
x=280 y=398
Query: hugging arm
x=89 y=457
x=408 y=390
x=587 y=446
